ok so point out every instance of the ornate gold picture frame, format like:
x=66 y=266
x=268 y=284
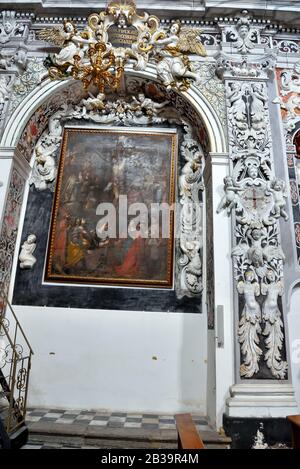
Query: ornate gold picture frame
x=104 y=175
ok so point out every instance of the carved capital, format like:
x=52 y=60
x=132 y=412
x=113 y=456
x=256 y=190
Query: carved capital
x=245 y=67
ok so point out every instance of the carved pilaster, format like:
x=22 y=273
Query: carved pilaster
x=257 y=200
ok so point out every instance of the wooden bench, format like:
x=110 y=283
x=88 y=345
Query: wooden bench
x=188 y=437
x=295 y=422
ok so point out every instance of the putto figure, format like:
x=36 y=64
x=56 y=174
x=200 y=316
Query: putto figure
x=249 y=326
x=26 y=257
x=173 y=67
x=230 y=199
x=69 y=39
x=278 y=190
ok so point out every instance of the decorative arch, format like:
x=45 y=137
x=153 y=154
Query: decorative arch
x=22 y=114
x=48 y=91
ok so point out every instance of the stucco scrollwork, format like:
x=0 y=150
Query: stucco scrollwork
x=116 y=37
x=44 y=169
x=258 y=199
x=290 y=97
x=191 y=236
x=138 y=110
x=10 y=26
x=243 y=35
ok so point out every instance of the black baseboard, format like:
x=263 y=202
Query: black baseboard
x=243 y=430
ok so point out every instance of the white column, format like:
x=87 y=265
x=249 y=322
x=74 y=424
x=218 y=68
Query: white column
x=6 y=162
x=14 y=168
x=221 y=338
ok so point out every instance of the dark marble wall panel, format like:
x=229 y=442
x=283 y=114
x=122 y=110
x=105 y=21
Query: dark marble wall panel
x=30 y=290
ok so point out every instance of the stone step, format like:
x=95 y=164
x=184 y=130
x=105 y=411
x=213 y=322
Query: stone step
x=76 y=435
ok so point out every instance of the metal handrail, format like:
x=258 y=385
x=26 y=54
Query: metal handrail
x=17 y=364
x=3 y=294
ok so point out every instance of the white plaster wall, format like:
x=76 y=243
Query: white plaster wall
x=116 y=360
x=4 y=179
x=294 y=339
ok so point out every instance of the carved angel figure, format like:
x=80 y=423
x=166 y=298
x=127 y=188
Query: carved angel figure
x=173 y=66
x=190 y=174
x=259 y=99
x=93 y=103
x=26 y=257
x=249 y=326
x=257 y=251
x=151 y=107
x=69 y=39
x=230 y=199
x=278 y=190
x=274 y=325
x=193 y=270
x=238 y=105
x=44 y=170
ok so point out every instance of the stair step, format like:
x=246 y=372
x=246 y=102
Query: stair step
x=77 y=435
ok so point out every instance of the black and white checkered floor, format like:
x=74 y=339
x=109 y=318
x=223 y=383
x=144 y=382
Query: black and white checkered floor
x=120 y=420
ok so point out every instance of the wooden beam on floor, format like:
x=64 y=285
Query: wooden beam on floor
x=188 y=436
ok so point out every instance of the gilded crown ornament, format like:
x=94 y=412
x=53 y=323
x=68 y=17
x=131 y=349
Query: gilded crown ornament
x=118 y=36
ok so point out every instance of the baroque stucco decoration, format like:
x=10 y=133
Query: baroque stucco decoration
x=19 y=73
x=289 y=100
x=242 y=35
x=138 y=110
x=98 y=54
x=26 y=257
x=257 y=199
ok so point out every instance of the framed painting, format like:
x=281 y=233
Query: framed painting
x=102 y=229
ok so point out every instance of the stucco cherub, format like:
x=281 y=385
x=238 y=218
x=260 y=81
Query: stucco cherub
x=93 y=103
x=151 y=107
x=230 y=199
x=26 y=257
x=173 y=66
x=278 y=190
x=249 y=325
x=272 y=288
x=72 y=43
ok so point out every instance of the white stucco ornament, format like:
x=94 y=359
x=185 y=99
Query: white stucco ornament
x=117 y=36
x=26 y=257
x=258 y=200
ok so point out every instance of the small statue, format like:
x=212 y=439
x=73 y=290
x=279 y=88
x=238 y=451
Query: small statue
x=230 y=199
x=278 y=190
x=237 y=104
x=94 y=103
x=273 y=288
x=173 y=66
x=44 y=170
x=257 y=107
x=26 y=258
x=72 y=43
x=249 y=325
x=190 y=174
x=151 y=107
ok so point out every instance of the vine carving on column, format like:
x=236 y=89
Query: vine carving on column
x=258 y=200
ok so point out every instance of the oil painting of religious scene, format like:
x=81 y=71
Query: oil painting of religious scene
x=97 y=233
